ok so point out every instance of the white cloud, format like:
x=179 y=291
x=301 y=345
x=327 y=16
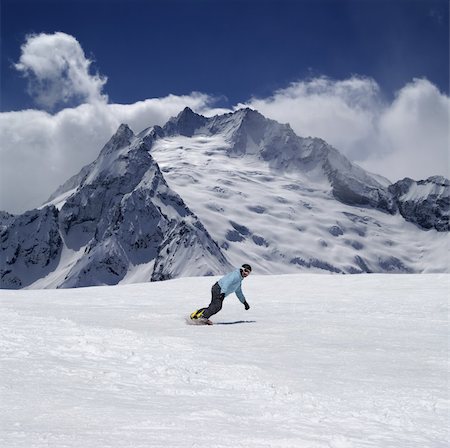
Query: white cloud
x=408 y=137
x=58 y=71
x=414 y=134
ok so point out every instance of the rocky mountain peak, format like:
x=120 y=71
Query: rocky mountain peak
x=124 y=130
x=121 y=138
x=185 y=123
x=246 y=113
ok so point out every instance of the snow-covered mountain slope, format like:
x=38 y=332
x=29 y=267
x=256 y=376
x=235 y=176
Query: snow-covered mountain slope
x=317 y=362
x=286 y=218
x=250 y=133
x=117 y=220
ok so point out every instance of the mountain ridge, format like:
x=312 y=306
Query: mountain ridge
x=251 y=131
x=199 y=195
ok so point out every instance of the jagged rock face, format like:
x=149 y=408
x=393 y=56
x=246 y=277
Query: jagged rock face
x=425 y=203
x=148 y=223
x=87 y=213
x=186 y=123
x=30 y=247
x=5 y=220
x=354 y=186
x=125 y=215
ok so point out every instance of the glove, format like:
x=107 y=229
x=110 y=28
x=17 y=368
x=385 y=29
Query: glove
x=247 y=306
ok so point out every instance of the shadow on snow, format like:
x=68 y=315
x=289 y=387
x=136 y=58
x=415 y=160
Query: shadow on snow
x=236 y=322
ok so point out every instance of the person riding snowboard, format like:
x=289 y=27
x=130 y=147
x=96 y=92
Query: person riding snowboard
x=226 y=285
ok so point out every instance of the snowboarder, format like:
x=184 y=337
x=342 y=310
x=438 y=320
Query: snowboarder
x=226 y=285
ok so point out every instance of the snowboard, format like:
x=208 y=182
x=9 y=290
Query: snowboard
x=190 y=321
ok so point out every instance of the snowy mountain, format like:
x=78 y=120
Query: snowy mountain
x=288 y=203
x=426 y=202
x=247 y=132
x=116 y=220
x=201 y=194
x=31 y=246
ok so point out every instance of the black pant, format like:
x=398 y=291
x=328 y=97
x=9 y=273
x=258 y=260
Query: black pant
x=216 y=301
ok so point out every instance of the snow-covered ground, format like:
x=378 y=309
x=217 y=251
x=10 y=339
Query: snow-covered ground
x=318 y=361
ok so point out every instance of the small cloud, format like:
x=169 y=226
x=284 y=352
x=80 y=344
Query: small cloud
x=413 y=132
x=58 y=71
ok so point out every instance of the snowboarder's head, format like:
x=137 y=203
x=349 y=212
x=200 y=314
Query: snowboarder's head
x=245 y=270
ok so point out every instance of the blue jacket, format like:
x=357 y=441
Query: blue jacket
x=232 y=283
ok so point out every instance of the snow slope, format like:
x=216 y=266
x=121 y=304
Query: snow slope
x=317 y=362
x=285 y=223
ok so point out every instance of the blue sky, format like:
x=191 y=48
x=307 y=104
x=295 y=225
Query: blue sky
x=233 y=49
x=371 y=77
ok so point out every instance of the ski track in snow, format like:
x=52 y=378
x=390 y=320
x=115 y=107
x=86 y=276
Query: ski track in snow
x=318 y=361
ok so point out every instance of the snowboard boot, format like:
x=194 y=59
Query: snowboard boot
x=197 y=314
